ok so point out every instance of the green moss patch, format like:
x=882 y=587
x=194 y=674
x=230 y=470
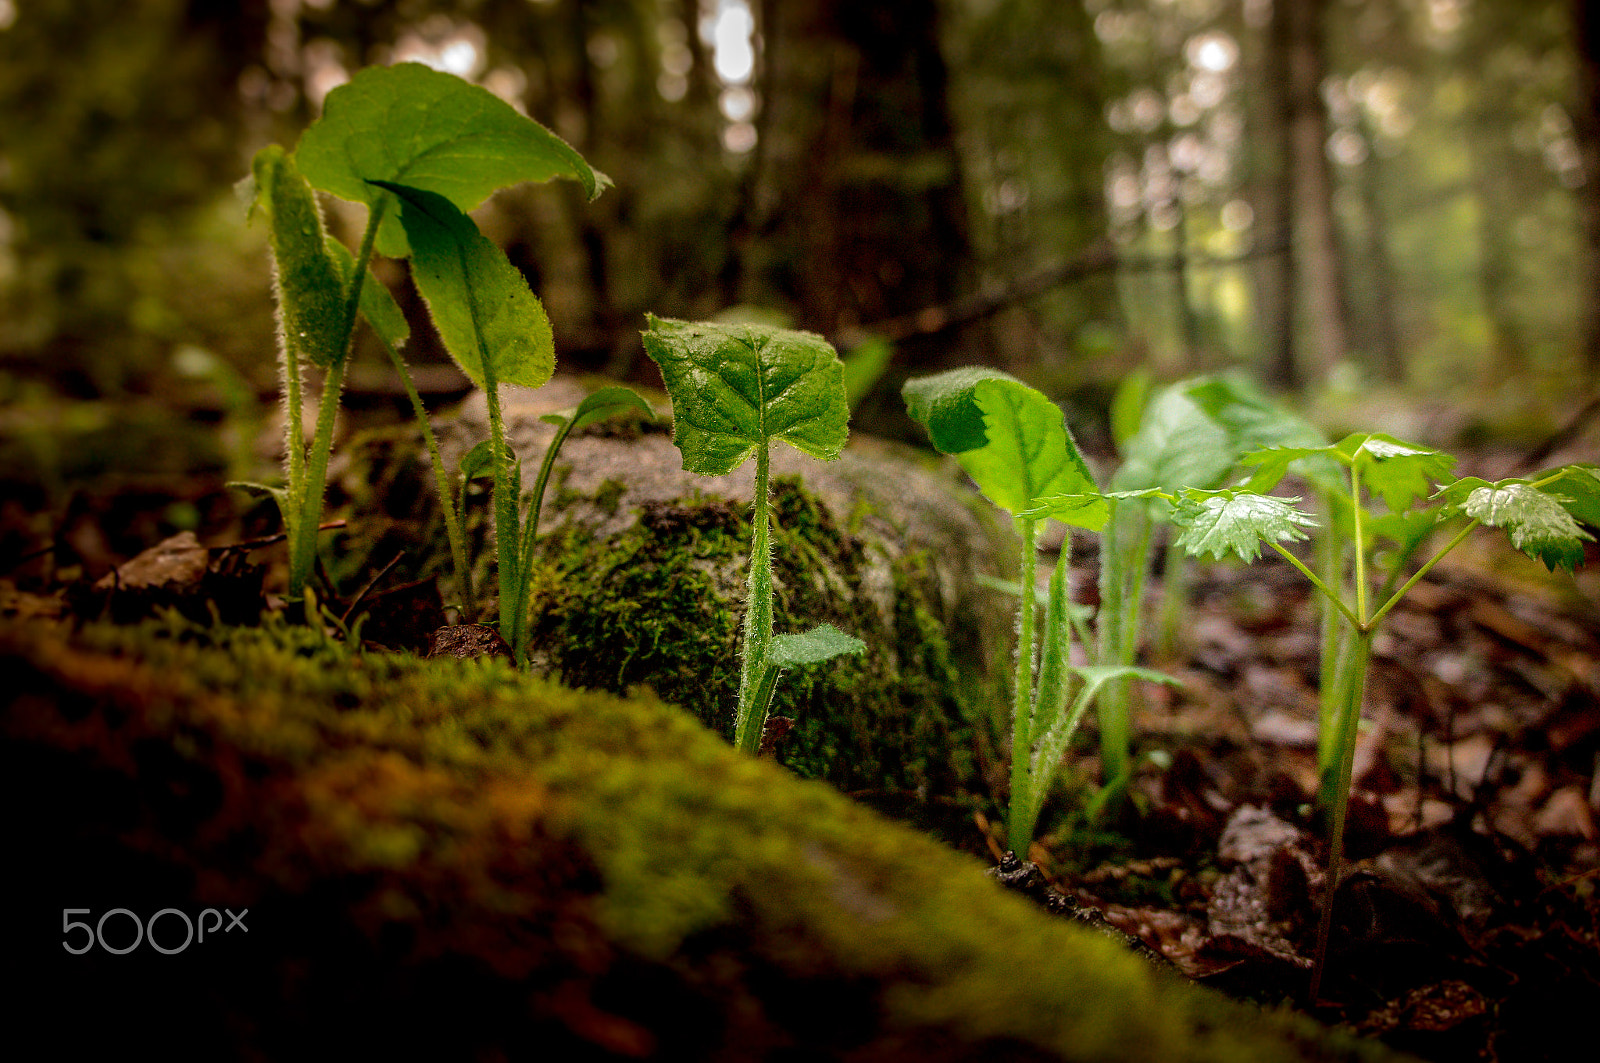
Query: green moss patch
x=447 y=859
x=661 y=604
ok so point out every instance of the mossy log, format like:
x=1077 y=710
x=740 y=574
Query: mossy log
x=450 y=860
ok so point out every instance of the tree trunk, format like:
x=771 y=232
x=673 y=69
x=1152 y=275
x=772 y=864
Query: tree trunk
x=859 y=204
x=1316 y=234
x=1586 y=120
x=1272 y=191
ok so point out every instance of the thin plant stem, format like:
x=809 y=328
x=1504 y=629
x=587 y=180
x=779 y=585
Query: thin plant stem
x=530 y=534
x=505 y=499
x=1330 y=560
x=1423 y=571
x=1328 y=592
x=1361 y=554
x=747 y=725
x=303 y=543
x=1056 y=647
x=1349 y=720
x=453 y=528
x=1022 y=690
x=1124 y=560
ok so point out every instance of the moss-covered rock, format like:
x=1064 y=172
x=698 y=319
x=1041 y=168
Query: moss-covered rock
x=450 y=860
x=641 y=582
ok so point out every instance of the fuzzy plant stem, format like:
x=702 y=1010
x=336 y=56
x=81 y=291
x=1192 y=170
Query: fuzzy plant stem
x=749 y=719
x=453 y=528
x=1050 y=704
x=1019 y=834
x=1124 y=560
x=303 y=539
x=506 y=540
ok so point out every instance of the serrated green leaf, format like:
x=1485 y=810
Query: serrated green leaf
x=310 y=288
x=610 y=401
x=1537 y=523
x=822 y=643
x=736 y=387
x=1235 y=522
x=1396 y=471
x=412 y=125
x=458 y=270
x=377 y=303
x=1579 y=486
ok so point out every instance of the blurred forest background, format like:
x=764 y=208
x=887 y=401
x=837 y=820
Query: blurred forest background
x=1350 y=199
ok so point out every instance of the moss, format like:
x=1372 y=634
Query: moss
x=661 y=604
x=449 y=858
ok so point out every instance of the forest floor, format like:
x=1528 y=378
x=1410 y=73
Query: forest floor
x=1468 y=923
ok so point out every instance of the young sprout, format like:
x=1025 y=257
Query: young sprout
x=441 y=146
x=1383 y=480
x=1014 y=443
x=735 y=389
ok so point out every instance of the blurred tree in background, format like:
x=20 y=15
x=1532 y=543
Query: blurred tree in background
x=1333 y=190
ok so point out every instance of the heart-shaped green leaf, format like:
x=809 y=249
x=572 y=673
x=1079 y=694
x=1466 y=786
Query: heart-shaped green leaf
x=480 y=303
x=1011 y=439
x=412 y=125
x=736 y=387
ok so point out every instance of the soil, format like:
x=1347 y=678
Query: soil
x=1467 y=923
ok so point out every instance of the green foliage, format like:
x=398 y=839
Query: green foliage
x=1010 y=438
x=735 y=388
x=412 y=125
x=1540 y=521
x=1224 y=522
x=491 y=322
x=439 y=146
x=310 y=285
x=1017 y=449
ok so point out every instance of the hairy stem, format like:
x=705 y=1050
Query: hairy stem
x=454 y=529
x=749 y=720
x=1022 y=780
x=1124 y=559
x=303 y=541
x=505 y=496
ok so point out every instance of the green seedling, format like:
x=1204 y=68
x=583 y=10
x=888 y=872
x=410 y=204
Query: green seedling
x=437 y=146
x=1015 y=445
x=1384 y=480
x=736 y=388
x=1190 y=434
